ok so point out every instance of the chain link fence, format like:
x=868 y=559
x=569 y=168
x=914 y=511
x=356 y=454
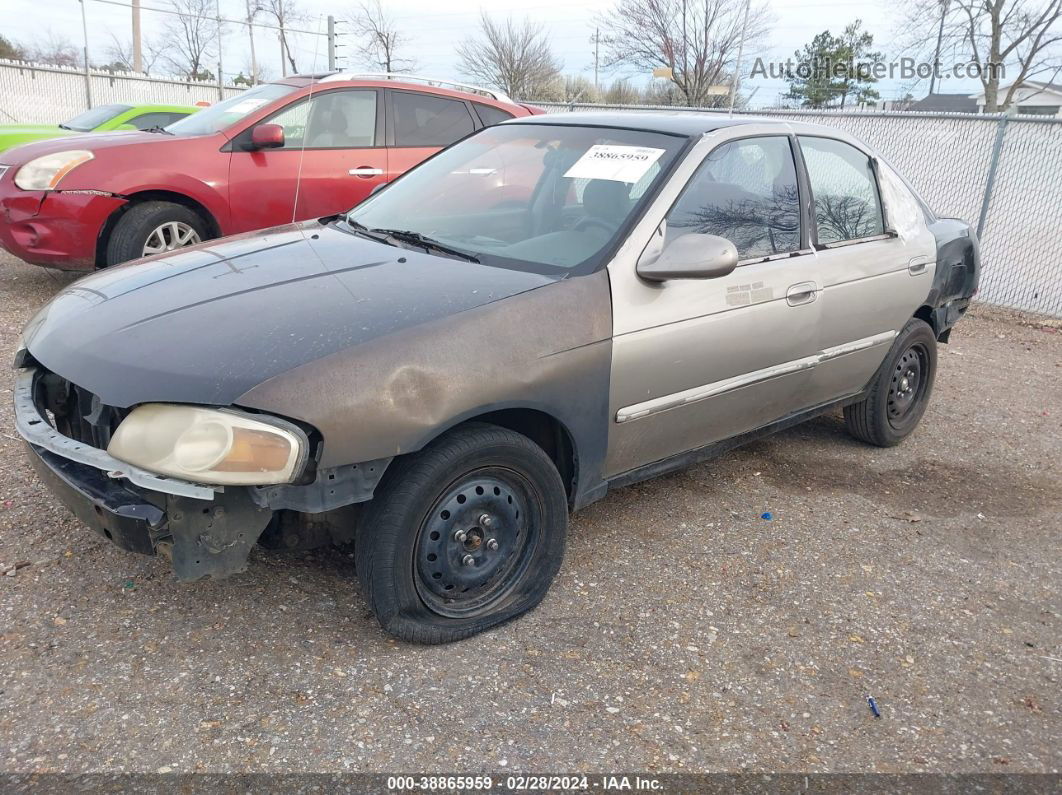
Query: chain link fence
x=35 y=94
x=1001 y=173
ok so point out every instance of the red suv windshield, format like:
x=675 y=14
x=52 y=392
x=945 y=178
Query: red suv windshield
x=228 y=112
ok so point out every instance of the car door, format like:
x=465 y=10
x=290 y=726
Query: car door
x=876 y=261
x=331 y=159
x=698 y=361
x=421 y=124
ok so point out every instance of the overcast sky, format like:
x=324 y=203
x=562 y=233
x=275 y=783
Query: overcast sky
x=434 y=33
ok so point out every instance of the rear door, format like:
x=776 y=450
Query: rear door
x=421 y=124
x=875 y=262
x=332 y=158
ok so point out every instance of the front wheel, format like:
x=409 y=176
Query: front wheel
x=154 y=227
x=900 y=390
x=462 y=536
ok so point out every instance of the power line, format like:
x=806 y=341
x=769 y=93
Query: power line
x=176 y=13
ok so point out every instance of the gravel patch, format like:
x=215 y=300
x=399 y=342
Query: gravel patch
x=684 y=632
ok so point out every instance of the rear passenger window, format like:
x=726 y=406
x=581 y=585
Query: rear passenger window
x=745 y=191
x=425 y=120
x=489 y=115
x=847 y=205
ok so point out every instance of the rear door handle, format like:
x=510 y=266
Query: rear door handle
x=918 y=265
x=803 y=293
x=365 y=171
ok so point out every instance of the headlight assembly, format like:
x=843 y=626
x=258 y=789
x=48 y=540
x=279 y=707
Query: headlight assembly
x=45 y=172
x=210 y=445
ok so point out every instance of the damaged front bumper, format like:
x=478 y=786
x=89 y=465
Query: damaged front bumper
x=203 y=538
x=206 y=530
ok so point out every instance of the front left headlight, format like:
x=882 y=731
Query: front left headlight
x=209 y=445
x=47 y=171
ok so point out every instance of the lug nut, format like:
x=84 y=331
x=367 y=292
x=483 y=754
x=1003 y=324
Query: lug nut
x=485 y=520
x=468 y=560
x=460 y=535
x=492 y=544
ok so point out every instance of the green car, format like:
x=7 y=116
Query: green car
x=100 y=119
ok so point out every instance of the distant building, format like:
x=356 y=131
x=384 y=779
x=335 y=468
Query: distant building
x=945 y=103
x=1032 y=98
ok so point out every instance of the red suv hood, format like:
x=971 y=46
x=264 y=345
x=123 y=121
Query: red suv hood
x=93 y=142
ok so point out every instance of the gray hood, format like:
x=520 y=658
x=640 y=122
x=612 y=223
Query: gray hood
x=209 y=323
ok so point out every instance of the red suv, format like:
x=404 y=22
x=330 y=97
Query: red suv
x=93 y=201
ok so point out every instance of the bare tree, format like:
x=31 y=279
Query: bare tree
x=191 y=34
x=56 y=50
x=285 y=13
x=120 y=54
x=379 y=38
x=1011 y=41
x=697 y=40
x=515 y=57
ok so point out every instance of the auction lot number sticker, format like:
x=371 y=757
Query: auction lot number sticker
x=617 y=163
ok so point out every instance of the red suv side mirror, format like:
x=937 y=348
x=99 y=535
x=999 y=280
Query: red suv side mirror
x=267 y=136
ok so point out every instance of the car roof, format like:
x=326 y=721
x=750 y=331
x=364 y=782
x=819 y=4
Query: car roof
x=680 y=123
x=402 y=80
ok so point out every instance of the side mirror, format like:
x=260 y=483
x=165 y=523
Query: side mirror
x=267 y=136
x=692 y=256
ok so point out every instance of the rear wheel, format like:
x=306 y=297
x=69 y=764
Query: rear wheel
x=154 y=227
x=462 y=536
x=900 y=390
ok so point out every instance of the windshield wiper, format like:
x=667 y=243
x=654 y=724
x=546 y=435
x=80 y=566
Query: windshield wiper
x=158 y=129
x=64 y=127
x=428 y=243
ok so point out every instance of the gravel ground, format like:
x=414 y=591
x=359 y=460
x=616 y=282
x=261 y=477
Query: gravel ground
x=684 y=633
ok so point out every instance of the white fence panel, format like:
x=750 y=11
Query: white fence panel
x=32 y=94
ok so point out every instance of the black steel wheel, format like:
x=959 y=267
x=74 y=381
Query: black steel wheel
x=462 y=536
x=476 y=542
x=907 y=386
x=899 y=392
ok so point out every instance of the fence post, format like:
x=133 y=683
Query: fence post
x=993 y=165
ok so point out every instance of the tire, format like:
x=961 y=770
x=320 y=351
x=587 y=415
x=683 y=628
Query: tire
x=133 y=230
x=900 y=390
x=504 y=493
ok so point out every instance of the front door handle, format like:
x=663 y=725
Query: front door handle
x=803 y=293
x=365 y=171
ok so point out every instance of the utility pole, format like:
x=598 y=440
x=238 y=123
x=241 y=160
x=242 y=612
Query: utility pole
x=221 y=79
x=138 y=57
x=940 y=37
x=736 y=82
x=250 y=33
x=88 y=77
x=331 y=43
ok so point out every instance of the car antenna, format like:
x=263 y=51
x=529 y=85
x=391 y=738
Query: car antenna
x=309 y=115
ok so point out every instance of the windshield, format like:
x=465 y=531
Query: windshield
x=94 y=117
x=531 y=196
x=228 y=112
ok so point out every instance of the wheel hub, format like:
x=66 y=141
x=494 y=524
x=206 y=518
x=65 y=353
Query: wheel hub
x=170 y=236
x=472 y=540
x=906 y=385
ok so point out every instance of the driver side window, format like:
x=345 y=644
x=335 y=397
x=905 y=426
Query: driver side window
x=745 y=191
x=332 y=120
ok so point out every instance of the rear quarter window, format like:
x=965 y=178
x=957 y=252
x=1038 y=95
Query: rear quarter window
x=488 y=114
